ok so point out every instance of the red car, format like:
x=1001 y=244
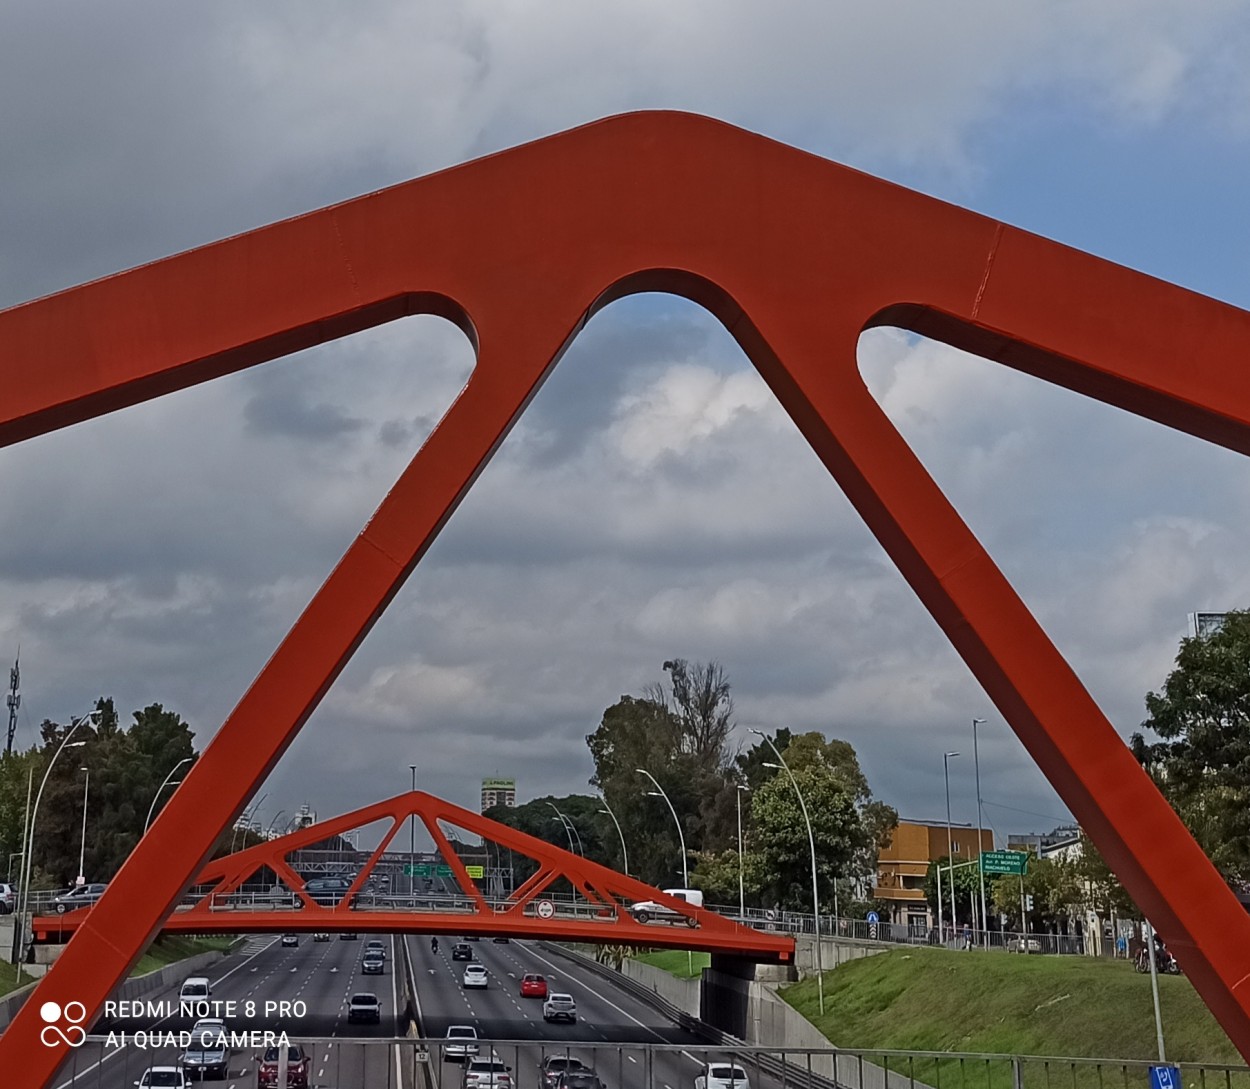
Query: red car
x=297 y=1063
x=533 y=986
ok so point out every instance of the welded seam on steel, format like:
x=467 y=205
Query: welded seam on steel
x=796 y=256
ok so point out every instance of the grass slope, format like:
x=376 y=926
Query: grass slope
x=174 y=947
x=939 y=1000
x=676 y=962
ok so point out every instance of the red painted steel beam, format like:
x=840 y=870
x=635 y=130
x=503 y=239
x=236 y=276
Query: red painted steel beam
x=796 y=256
x=219 y=881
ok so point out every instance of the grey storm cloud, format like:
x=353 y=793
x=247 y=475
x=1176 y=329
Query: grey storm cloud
x=654 y=501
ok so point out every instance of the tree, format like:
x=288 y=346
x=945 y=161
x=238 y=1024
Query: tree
x=1202 y=763
x=1057 y=890
x=848 y=828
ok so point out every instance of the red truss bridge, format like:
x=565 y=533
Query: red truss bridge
x=234 y=894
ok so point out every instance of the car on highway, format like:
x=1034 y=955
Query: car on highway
x=328 y=891
x=195 y=989
x=533 y=985
x=460 y=951
x=364 y=1007
x=290 y=939
x=560 y=1007
x=166 y=1077
x=647 y=910
x=321 y=936
x=298 y=1068
x=208 y=1053
x=372 y=964
x=375 y=945
x=347 y=935
x=501 y=939
x=553 y=1067
x=579 y=1079
x=486 y=1073
x=461 y=1042
x=77 y=897
x=722 y=1076
x=475 y=976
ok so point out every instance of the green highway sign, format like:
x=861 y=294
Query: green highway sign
x=1013 y=862
x=411 y=870
x=442 y=870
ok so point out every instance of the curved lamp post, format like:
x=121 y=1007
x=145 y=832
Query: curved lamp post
x=172 y=772
x=741 y=888
x=950 y=850
x=976 y=764
x=681 y=838
x=20 y=928
x=624 y=852
x=570 y=830
x=811 y=842
x=82 y=850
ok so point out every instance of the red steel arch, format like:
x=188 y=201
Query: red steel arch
x=603 y=919
x=796 y=256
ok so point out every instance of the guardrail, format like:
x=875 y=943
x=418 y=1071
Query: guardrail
x=634 y=1065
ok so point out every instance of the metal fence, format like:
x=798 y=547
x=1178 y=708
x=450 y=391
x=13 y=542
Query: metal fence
x=426 y=1064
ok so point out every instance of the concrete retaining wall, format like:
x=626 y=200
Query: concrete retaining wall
x=136 y=987
x=772 y=1023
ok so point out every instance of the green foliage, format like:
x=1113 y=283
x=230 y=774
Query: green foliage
x=1202 y=763
x=1057 y=890
x=921 y=999
x=126 y=767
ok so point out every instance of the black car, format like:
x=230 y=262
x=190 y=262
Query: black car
x=460 y=951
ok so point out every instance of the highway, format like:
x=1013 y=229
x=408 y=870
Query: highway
x=607 y=1017
x=321 y=975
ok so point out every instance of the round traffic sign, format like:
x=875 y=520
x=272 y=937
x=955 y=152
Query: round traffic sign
x=546 y=909
x=873 y=917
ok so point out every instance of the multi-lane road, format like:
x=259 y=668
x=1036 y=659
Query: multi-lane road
x=304 y=990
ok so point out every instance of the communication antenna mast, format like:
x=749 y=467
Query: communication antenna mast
x=13 y=699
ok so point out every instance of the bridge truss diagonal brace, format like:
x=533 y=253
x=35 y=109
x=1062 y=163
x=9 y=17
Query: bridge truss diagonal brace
x=796 y=256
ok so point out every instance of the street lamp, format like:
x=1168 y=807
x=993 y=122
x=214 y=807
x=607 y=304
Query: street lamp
x=624 y=852
x=950 y=851
x=681 y=838
x=82 y=850
x=27 y=865
x=570 y=830
x=811 y=842
x=172 y=772
x=976 y=763
x=412 y=840
x=741 y=890
x=273 y=823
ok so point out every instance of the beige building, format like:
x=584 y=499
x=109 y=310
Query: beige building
x=904 y=862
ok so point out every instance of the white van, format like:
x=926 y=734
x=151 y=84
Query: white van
x=647 y=910
x=194 y=989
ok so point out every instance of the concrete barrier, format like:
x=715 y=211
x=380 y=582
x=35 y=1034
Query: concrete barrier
x=135 y=987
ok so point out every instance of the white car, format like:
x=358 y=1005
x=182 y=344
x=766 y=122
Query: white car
x=560 y=1007
x=475 y=975
x=722 y=1076
x=163 y=1077
x=364 y=1007
x=461 y=1042
x=486 y=1073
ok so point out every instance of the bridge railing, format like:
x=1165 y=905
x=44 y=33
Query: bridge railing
x=398 y=1063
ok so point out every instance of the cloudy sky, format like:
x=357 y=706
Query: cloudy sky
x=654 y=502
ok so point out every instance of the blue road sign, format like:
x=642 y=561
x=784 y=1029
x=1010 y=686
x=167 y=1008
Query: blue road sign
x=1165 y=1077
x=873 y=917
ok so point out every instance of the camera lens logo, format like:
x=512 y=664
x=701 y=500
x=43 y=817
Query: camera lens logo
x=75 y=1013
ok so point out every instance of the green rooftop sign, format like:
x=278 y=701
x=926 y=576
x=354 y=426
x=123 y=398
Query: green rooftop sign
x=1012 y=862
